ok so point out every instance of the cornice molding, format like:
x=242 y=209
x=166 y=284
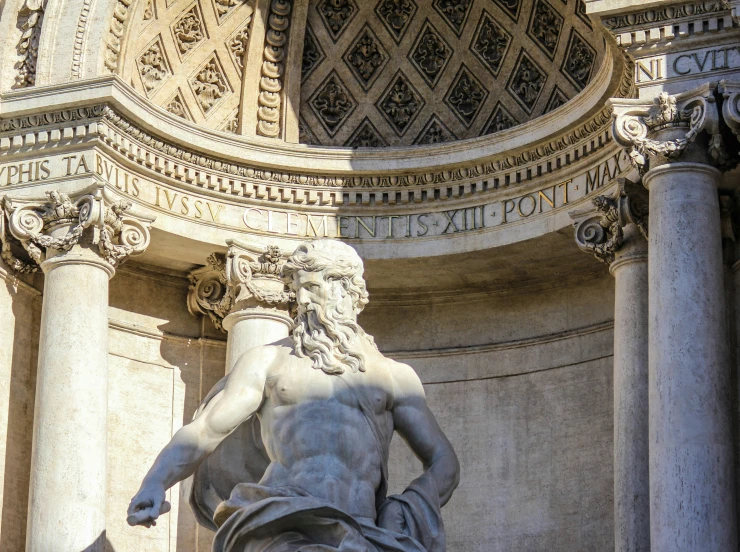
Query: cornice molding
x=115 y=115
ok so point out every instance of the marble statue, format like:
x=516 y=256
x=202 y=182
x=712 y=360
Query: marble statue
x=325 y=402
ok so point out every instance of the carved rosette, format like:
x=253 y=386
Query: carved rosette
x=600 y=230
x=273 y=69
x=663 y=129
x=58 y=225
x=239 y=280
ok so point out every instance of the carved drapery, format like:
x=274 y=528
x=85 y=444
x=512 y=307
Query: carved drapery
x=60 y=223
x=239 y=280
x=664 y=129
x=601 y=230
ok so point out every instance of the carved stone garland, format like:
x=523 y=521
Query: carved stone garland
x=37 y=227
x=273 y=68
x=682 y=118
x=238 y=280
x=601 y=231
x=31 y=15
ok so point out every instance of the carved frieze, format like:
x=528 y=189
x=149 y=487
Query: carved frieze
x=153 y=66
x=336 y=15
x=490 y=43
x=313 y=54
x=396 y=15
x=333 y=103
x=527 y=82
x=239 y=280
x=238 y=43
x=188 y=31
x=209 y=85
x=545 y=27
x=466 y=96
x=366 y=136
x=60 y=223
x=366 y=57
x=601 y=230
x=578 y=63
x=434 y=132
x=430 y=54
x=500 y=120
x=454 y=12
x=400 y=103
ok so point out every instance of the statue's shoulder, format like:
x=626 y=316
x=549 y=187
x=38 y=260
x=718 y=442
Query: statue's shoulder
x=405 y=379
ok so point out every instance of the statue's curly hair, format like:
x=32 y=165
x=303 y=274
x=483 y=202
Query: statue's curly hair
x=338 y=260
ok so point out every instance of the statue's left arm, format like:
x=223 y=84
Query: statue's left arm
x=416 y=424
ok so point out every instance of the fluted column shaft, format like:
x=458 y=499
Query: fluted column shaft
x=691 y=456
x=631 y=479
x=68 y=476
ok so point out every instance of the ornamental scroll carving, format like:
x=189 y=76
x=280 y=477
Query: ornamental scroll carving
x=240 y=279
x=639 y=126
x=273 y=69
x=600 y=230
x=61 y=223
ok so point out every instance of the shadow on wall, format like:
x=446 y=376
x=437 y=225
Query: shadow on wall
x=200 y=366
x=19 y=435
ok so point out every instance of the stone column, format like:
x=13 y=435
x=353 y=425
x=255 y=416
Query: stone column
x=77 y=244
x=243 y=294
x=617 y=236
x=675 y=141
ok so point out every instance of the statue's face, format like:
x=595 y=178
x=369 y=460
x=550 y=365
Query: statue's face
x=314 y=288
x=310 y=288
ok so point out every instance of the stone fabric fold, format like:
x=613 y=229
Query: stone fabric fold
x=287 y=519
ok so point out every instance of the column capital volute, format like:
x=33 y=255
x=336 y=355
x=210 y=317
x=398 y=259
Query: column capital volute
x=54 y=231
x=662 y=129
x=602 y=228
x=243 y=283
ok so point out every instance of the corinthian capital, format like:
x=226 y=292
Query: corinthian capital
x=665 y=128
x=239 y=280
x=600 y=229
x=731 y=105
x=36 y=230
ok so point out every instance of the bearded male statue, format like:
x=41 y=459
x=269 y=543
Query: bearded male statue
x=327 y=402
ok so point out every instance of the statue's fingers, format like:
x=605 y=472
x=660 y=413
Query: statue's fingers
x=166 y=507
x=139 y=518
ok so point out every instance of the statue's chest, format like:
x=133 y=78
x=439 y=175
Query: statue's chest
x=304 y=385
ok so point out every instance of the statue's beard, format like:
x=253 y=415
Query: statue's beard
x=327 y=336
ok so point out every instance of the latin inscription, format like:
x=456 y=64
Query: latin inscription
x=683 y=64
x=283 y=222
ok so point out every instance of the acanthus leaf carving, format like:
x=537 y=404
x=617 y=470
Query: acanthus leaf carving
x=638 y=125
x=600 y=230
x=59 y=224
x=239 y=279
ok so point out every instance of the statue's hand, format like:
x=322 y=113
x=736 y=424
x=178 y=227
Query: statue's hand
x=147 y=506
